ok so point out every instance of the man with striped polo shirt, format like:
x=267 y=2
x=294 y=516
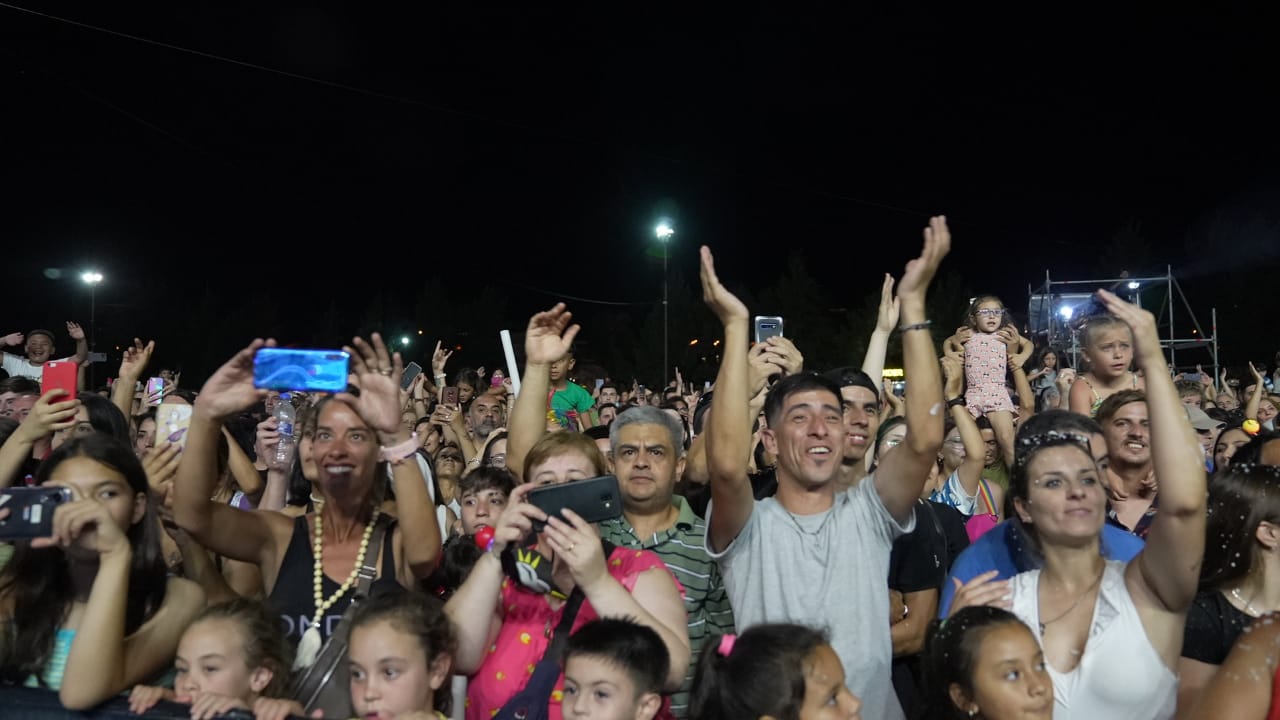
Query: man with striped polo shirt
x=648 y=458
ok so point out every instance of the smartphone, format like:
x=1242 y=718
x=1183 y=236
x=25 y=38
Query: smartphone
x=292 y=369
x=411 y=371
x=172 y=422
x=899 y=387
x=594 y=500
x=30 y=511
x=599 y=384
x=641 y=396
x=768 y=326
x=449 y=395
x=59 y=374
x=154 y=392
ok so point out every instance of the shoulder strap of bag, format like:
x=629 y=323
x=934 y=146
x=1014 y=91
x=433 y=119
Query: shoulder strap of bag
x=560 y=636
x=369 y=570
x=985 y=490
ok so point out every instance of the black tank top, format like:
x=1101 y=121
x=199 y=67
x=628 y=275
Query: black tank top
x=293 y=596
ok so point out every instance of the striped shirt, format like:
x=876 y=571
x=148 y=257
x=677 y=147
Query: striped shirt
x=683 y=548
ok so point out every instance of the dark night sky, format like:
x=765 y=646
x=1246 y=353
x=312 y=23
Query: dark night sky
x=522 y=146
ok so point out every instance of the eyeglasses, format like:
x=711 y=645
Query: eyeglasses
x=989 y=313
x=497 y=460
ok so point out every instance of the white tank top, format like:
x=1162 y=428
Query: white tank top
x=1120 y=674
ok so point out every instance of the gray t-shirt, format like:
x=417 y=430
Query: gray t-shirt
x=826 y=570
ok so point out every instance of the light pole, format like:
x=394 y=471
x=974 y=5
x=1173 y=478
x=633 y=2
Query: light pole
x=664 y=231
x=92 y=278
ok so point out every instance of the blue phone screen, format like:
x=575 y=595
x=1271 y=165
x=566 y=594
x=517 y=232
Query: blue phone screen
x=290 y=369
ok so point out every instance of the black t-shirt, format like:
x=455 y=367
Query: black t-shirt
x=921 y=559
x=1213 y=624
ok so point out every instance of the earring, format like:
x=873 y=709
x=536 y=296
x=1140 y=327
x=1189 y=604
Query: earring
x=973 y=710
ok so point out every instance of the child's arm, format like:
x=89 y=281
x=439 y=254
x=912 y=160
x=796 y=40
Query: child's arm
x=1081 y=398
x=1251 y=407
x=886 y=321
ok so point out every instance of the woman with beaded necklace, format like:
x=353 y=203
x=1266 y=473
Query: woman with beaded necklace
x=300 y=557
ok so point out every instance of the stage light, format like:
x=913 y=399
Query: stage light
x=1134 y=284
x=1066 y=312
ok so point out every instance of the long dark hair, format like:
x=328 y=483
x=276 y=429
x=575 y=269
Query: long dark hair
x=105 y=417
x=39 y=580
x=1241 y=498
x=951 y=651
x=762 y=674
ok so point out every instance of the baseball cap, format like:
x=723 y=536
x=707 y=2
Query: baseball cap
x=1201 y=421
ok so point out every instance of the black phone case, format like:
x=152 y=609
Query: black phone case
x=30 y=511
x=595 y=499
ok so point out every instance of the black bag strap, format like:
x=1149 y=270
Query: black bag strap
x=369 y=570
x=560 y=636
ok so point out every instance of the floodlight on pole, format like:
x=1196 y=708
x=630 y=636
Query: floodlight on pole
x=92 y=278
x=1066 y=312
x=663 y=232
x=1134 y=284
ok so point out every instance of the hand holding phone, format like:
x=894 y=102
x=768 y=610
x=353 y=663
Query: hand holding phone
x=411 y=371
x=30 y=511
x=449 y=395
x=154 y=393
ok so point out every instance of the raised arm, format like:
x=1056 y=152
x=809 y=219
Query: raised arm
x=902 y=475
x=1255 y=399
x=55 y=410
x=255 y=536
x=1169 y=565
x=82 y=345
x=729 y=422
x=132 y=365
x=378 y=404
x=1018 y=351
x=546 y=340
x=886 y=321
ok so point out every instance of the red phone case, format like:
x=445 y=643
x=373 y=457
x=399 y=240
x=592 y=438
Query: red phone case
x=59 y=374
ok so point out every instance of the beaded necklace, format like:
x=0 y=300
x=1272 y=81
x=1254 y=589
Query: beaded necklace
x=309 y=645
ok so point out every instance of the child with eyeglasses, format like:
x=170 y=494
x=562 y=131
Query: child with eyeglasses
x=986 y=366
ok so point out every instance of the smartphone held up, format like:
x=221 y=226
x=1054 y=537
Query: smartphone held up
x=293 y=369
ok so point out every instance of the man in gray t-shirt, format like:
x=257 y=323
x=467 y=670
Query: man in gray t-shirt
x=811 y=554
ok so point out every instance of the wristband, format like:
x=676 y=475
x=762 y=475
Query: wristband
x=917 y=326
x=955 y=402
x=398 y=453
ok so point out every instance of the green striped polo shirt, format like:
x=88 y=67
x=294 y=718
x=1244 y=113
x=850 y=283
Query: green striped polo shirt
x=683 y=548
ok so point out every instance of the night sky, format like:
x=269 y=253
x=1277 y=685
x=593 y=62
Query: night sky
x=352 y=151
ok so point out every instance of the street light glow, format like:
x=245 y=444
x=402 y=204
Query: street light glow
x=664 y=231
x=1134 y=284
x=91 y=277
x=404 y=340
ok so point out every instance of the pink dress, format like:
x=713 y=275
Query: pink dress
x=526 y=627
x=985 y=367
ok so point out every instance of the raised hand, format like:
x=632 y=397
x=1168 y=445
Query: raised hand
x=549 y=335
x=439 y=358
x=136 y=357
x=1146 y=339
x=377 y=372
x=727 y=307
x=984 y=589
x=782 y=352
x=161 y=463
x=12 y=339
x=919 y=272
x=48 y=415
x=75 y=331
x=887 y=314
x=230 y=388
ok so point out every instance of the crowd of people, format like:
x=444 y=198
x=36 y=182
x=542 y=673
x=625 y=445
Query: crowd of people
x=1008 y=537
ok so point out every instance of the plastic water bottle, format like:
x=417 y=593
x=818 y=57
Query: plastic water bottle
x=284 y=415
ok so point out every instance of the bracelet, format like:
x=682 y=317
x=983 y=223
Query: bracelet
x=955 y=402
x=400 y=452
x=917 y=326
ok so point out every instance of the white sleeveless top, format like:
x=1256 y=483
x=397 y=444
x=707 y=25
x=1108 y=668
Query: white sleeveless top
x=1120 y=675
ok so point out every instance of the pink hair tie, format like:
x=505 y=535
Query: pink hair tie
x=726 y=644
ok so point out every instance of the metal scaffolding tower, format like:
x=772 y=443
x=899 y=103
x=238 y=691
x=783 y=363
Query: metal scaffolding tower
x=1056 y=309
